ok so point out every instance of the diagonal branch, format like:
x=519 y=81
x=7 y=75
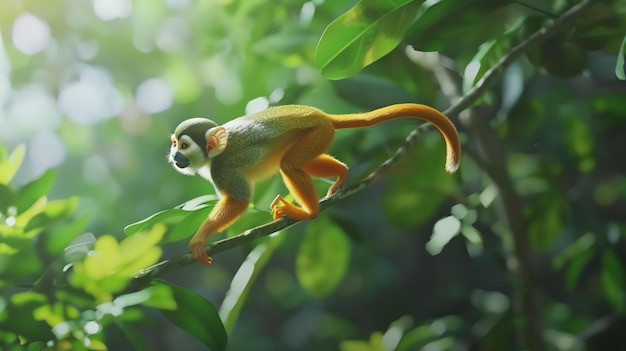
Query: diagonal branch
x=543 y=34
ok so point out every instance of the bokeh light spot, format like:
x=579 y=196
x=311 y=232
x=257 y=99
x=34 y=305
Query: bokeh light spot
x=92 y=98
x=154 y=95
x=30 y=34
x=108 y=10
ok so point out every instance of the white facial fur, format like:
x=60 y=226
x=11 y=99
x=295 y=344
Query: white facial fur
x=186 y=146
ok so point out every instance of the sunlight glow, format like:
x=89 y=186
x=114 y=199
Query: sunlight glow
x=108 y=10
x=174 y=35
x=46 y=151
x=92 y=98
x=31 y=110
x=154 y=95
x=306 y=13
x=256 y=105
x=92 y=327
x=30 y=34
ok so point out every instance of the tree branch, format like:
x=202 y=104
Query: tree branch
x=543 y=34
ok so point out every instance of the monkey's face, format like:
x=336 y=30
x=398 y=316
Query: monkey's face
x=194 y=142
x=186 y=155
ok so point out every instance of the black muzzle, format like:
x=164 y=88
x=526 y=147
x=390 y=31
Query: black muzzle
x=181 y=160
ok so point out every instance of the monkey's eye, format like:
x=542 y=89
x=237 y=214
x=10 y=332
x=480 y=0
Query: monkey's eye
x=174 y=143
x=184 y=146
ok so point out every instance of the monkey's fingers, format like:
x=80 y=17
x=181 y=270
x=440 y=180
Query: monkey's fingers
x=278 y=211
x=199 y=255
x=334 y=188
x=287 y=209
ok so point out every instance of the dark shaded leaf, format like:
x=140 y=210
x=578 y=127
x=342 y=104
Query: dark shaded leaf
x=32 y=191
x=619 y=66
x=197 y=316
x=612 y=277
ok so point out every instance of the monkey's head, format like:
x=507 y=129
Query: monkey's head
x=194 y=142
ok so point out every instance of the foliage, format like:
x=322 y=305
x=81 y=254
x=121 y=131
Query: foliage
x=60 y=295
x=526 y=244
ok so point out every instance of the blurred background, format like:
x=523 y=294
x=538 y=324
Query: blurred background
x=94 y=89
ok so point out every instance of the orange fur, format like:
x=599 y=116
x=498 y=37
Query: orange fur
x=293 y=140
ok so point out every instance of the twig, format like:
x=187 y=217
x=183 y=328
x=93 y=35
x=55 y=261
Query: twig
x=537 y=38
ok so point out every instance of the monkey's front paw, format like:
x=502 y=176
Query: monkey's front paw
x=198 y=253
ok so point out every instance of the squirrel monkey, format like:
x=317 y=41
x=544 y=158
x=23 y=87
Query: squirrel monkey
x=291 y=139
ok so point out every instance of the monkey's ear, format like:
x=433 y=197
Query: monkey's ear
x=215 y=141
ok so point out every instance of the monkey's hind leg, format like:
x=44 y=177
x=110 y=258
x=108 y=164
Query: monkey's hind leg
x=293 y=168
x=225 y=212
x=327 y=166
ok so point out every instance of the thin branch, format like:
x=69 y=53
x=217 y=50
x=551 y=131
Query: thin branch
x=466 y=101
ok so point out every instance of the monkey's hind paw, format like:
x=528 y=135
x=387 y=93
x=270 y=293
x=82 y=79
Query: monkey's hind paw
x=199 y=255
x=279 y=211
x=281 y=208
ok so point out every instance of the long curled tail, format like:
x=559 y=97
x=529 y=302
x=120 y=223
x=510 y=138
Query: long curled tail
x=423 y=112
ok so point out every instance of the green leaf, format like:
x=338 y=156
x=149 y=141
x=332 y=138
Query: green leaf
x=60 y=238
x=21 y=320
x=180 y=222
x=422 y=184
x=45 y=213
x=619 y=66
x=546 y=227
x=244 y=278
x=612 y=277
x=7 y=198
x=197 y=316
x=323 y=257
x=161 y=296
x=32 y=191
x=576 y=266
x=416 y=338
x=443 y=24
x=10 y=165
x=362 y=35
x=489 y=53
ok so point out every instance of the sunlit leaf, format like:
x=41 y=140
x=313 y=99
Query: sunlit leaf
x=140 y=250
x=362 y=35
x=10 y=164
x=197 y=316
x=375 y=343
x=161 y=296
x=323 y=257
x=48 y=212
x=180 y=222
x=110 y=266
x=354 y=345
